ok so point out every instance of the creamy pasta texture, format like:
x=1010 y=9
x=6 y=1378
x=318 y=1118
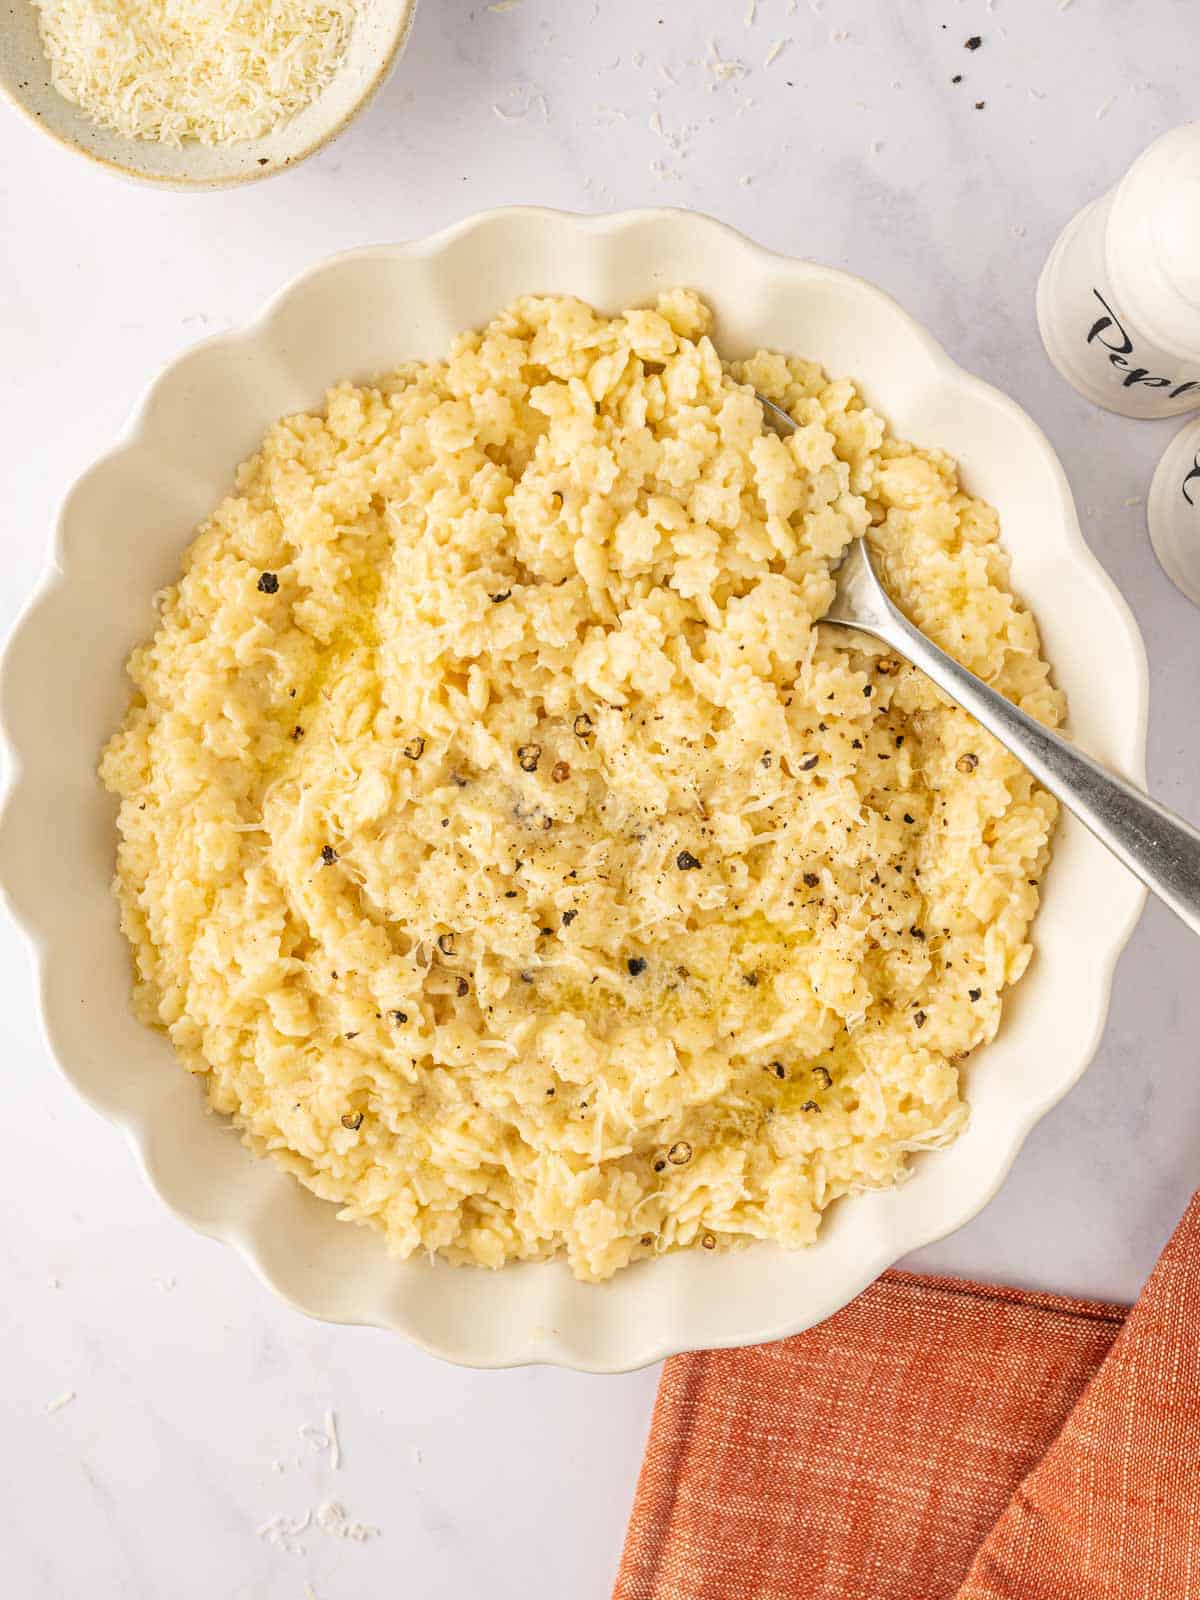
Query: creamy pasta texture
x=508 y=850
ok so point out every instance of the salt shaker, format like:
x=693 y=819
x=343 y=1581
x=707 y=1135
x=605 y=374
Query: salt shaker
x=1118 y=301
x=1173 y=511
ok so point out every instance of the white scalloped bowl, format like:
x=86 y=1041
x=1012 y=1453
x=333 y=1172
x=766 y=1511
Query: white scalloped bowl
x=122 y=531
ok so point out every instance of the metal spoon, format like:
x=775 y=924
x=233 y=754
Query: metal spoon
x=1160 y=848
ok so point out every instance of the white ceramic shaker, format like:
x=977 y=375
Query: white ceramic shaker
x=1173 y=511
x=1118 y=301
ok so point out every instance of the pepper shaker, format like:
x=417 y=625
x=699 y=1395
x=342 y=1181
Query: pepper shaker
x=1118 y=302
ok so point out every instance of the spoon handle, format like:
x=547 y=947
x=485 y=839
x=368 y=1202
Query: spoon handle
x=1160 y=848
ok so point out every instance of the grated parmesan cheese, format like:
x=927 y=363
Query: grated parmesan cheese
x=723 y=69
x=178 y=70
x=332 y=1519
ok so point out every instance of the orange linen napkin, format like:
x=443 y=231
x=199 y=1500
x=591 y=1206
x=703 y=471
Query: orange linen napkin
x=936 y=1440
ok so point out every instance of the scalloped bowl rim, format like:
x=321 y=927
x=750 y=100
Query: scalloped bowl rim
x=619 y=1348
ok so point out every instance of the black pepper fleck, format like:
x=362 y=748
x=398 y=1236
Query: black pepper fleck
x=268 y=583
x=811 y=880
x=568 y=917
x=636 y=965
x=973 y=42
x=974 y=993
x=686 y=861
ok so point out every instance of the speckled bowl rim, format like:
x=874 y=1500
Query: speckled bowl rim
x=535 y=1313
x=182 y=184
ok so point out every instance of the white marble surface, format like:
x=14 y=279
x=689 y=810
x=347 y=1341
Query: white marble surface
x=854 y=147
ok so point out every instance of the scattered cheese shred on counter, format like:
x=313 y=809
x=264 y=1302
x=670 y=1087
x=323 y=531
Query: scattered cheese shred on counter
x=177 y=70
x=324 y=1440
x=287 y=1533
x=332 y=1519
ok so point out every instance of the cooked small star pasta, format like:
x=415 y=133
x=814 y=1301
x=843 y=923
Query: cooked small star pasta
x=510 y=850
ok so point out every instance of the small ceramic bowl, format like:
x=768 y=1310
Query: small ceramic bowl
x=376 y=44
